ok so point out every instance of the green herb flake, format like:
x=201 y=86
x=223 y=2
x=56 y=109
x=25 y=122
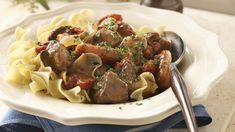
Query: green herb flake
x=98 y=77
x=139 y=104
x=110 y=24
x=97 y=34
x=78 y=40
x=111 y=69
x=106 y=45
x=73 y=54
x=52 y=42
x=120 y=108
x=86 y=33
x=121 y=51
x=116 y=35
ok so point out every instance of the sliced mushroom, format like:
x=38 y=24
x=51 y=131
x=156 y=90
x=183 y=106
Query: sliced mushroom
x=86 y=64
x=64 y=30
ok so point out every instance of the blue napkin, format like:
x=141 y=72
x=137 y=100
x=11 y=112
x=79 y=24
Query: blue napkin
x=15 y=121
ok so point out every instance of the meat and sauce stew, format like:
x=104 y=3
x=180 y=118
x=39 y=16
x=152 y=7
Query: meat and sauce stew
x=112 y=64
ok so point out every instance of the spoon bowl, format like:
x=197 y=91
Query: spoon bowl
x=178 y=46
x=177 y=83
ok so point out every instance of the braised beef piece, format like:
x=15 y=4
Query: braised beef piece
x=111 y=38
x=56 y=56
x=111 y=89
x=155 y=45
x=86 y=37
x=127 y=70
x=125 y=29
x=64 y=29
x=73 y=80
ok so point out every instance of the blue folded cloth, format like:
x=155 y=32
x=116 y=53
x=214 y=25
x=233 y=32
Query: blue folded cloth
x=15 y=121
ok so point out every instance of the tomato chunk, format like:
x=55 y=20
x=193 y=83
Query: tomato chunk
x=76 y=30
x=117 y=17
x=149 y=66
x=40 y=49
x=84 y=81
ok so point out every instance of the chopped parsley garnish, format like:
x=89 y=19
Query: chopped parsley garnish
x=52 y=42
x=110 y=24
x=98 y=77
x=121 y=51
x=139 y=104
x=111 y=69
x=97 y=34
x=116 y=35
x=67 y=30
x=86 y=33
x=105 y=44
x=137 y=50
x=157 y=60
x=78 y=40
x=73 y=54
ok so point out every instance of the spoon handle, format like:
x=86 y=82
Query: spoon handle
x=180 y=90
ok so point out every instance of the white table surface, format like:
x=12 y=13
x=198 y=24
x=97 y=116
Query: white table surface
x=220 y=103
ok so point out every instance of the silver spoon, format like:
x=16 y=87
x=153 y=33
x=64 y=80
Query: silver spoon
x=177 y=83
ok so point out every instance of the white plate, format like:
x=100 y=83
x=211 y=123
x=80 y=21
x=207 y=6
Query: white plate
x=203 y=64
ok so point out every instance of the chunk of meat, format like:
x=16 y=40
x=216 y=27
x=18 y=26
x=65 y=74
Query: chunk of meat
x=148 y=52
x=108 y=55
x=127 y=70
x=56 y=56
x=86 y=37
x=113 y=38
x=163 y=69
x=117 y=17
x=152 y=37
x=109 y=23
x=112 y=90
x=64 y=30
x=72 y=80
x=125 y=29
x=155 y=44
